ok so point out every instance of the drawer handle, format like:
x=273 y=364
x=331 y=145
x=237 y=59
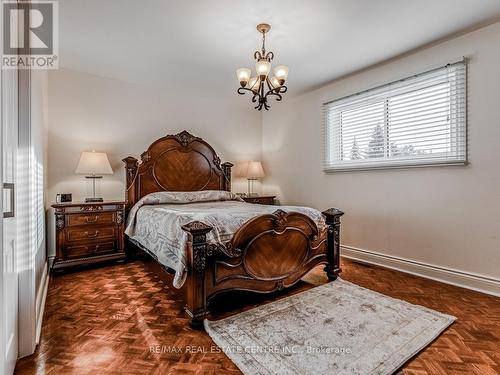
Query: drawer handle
x=92 y=220
x=95 y=248
x=96 y=233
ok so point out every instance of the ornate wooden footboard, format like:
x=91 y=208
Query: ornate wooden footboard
x=268 y=253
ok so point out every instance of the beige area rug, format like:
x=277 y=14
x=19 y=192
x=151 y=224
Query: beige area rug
x=335 y=328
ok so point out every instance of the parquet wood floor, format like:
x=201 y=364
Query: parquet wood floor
x=119 y=319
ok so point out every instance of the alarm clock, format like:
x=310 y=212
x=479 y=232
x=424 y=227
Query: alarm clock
x=63 y=198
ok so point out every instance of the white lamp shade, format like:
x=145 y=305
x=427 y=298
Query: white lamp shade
x=275 y=82
x=281 y=72
x=243 y=74
x=94 y=163
x=263 y=67
x=254 y=83
x=251 y=170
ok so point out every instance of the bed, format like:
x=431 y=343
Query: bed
x=180 y=211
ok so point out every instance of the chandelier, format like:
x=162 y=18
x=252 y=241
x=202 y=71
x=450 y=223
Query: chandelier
x=261 y=86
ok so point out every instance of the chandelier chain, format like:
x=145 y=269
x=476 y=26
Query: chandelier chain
x=263 y=44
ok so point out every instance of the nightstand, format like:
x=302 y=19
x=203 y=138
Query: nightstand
x=88 y=233
x=263 y=199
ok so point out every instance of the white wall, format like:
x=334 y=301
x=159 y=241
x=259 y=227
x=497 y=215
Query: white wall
x=88 y=112
x=444 y=216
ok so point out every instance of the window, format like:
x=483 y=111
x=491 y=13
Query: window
x=417 y=121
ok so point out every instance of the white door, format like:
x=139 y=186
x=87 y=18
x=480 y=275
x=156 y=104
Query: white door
x=8 y=262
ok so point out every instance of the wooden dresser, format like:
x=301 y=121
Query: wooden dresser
x=88 y=233
x=261 y=199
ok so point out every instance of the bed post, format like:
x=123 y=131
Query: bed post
x=226 y=168
x=131 y=165
x=196 y=296
x=332 y=219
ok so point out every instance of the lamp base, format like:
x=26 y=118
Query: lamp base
x=250 y=187
x=90 y=200
x=93 y=199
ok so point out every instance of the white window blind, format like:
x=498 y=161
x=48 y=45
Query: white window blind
x=420 y=120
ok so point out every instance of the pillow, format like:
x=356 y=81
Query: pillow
x=189 y=197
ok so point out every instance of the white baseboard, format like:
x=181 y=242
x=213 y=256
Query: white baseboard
x=479 y=283
x=40 y=301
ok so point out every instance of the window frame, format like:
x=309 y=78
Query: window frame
x=383 y=94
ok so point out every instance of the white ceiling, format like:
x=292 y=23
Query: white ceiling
x=188 y=44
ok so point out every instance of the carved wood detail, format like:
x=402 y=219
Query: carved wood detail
x=196 y=292
x=91 y=208
x=332 y=219
x=262 y=250
x=59 y=221
x=226 y=249
x=180 y=162
x=185 y=138
x=119 y=217
x=226 y=168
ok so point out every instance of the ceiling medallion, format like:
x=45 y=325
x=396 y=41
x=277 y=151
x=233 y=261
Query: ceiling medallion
x=257 y=85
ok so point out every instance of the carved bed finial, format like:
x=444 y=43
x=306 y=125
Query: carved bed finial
x=185 y=138
x=226 y=169
x=332 y=215
x=131 y=165
x=197 y=227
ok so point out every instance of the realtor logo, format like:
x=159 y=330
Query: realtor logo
x=30 y=35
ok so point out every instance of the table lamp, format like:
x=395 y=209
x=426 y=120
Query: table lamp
x=251 y=170
x=93 y=165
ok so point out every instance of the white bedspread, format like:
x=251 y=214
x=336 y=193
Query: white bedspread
x=155 y=222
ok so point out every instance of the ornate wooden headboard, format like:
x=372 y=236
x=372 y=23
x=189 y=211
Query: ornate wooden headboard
x=180 y=162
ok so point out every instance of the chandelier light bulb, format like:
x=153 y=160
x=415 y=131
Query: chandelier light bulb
x=275 y=82
x=243 y=75
x=254 y=84
x=263 y=67
x=281 y=73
